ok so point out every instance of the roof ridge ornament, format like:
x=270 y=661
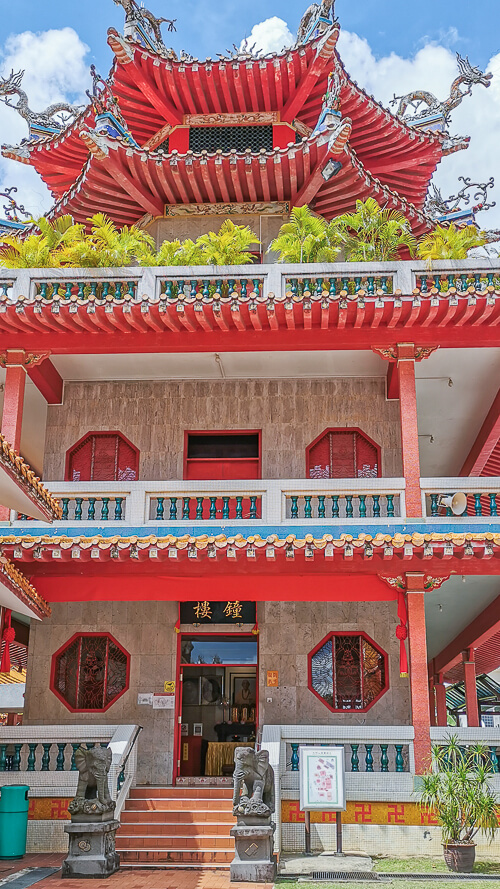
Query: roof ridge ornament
x=317 y=18
x=142 y=26
x=427 y=112
x=42 y=124
x=443 y=209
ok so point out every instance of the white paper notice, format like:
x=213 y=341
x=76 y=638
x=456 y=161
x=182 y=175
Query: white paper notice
x=163 y=702
x=145 y=699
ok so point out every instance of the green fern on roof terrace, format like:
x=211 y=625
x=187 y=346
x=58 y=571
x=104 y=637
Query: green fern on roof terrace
x=228 y=246
x=450 y=242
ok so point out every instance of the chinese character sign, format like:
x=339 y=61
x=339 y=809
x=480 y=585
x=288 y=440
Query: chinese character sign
x=322 y=778
x=225 y=612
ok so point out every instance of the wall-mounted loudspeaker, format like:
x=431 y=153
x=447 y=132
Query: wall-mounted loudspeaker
x=456 y=502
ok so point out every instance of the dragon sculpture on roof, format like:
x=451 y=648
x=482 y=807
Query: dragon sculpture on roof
x=422 y=102
x=325 y=10
x=36 y=120
x=139 y=17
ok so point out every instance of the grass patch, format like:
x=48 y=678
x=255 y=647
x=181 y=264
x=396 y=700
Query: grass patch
x=427 y=866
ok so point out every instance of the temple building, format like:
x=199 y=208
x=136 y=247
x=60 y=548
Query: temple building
x=278 y=485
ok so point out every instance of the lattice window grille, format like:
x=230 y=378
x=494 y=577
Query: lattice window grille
x=347 y=672
x=90 y=672
x=229 y=138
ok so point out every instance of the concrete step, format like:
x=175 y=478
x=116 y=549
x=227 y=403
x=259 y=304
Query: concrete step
x=169 y=865
x=203 y=828
x=146 y=792
x=201 y=857
x=179 y=841
x=176 y=816
x=174 y=805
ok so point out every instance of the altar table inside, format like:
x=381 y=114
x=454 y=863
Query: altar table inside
x=221 y=753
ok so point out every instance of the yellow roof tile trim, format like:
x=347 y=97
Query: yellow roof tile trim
x=22 y=588
x=16 y=466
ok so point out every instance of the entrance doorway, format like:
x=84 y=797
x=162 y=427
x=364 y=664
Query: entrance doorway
x=218 y=702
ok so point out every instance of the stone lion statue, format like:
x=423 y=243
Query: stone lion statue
x=253 y=783
x=92 y=794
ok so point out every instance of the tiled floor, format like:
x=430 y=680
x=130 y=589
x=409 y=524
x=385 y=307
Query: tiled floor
x=129 y=879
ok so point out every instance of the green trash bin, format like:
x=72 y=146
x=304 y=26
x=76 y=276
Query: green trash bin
x=14 y=805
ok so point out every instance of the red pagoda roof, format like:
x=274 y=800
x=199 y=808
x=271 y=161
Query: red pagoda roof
x=89 y=173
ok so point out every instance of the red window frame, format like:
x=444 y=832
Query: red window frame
x=66 y=645
x=188 y=432
x=352 y=429
x=98 y=434
x=375 y=645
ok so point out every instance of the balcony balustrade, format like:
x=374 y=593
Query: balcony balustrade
x=267 y=502
x=256 y=297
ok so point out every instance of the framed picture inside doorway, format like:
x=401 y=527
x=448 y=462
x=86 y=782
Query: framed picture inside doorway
x=243 y=690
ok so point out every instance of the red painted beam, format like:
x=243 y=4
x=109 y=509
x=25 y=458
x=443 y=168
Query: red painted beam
x=48 y=381
x=392 y=386
x=479 y=630
x=485 y=442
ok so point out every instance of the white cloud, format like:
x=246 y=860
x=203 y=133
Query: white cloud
x=434 y=68
x=271 y=35
x=54 y=62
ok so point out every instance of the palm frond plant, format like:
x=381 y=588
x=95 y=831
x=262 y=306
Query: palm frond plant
x=106 y=246
x=450 y=242
x=40 y=249
x=457 y=791
x=373 y=233
x=306 y=238
x=228 y=246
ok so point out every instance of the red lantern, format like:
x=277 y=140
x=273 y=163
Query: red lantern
x=8 y=636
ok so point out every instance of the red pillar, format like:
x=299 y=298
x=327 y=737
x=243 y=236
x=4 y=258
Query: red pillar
x=470 y=688
x=13 y=401
x=432 y=703
x=409 y=428
x=441 y=710
x=419 y=682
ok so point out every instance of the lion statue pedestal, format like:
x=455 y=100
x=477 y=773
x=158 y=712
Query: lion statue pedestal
x=93 y=826
x=253 y=805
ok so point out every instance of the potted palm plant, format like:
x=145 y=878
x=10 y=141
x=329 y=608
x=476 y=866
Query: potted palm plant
x=457 y=791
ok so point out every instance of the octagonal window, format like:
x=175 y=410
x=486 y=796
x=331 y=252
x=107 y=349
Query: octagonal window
x=90 y=672
x=348 y=672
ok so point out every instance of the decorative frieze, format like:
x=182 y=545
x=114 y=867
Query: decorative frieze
x=257 y=208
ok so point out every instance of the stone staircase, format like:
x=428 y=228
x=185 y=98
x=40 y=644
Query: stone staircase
x=177 y=827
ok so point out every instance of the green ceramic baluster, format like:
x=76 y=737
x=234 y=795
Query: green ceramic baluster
x=46 y=757
x=399 y=758
x=160 y=507
x=321 y=506
x=253 y=507
x=60 y=757
x=354 y=758
x=67 y=293
x=384 y=759
x=119 y=509
x=105 y=509
x=494 y=760
x=65 y=509
x=118 y=290
x=225 y=507
x=3 y=757
x=332 y=290
x=212 y=513
x=362 y=505
x=493 y=505
x=390 y=505
x=199 y=507
x=185 y=507
x=73 y=763
x=173 y=509
x=78 y=508
x=478 y=509
x=31 y=757
x=348 y=506
x=307 y=507
x=335 y=506
x=239 y=507
x=434 y=504
x=376 y=505
x=16 y=759
x=91 y=509
x=369 y=758
x=243 y=290
x=294 y=514
x=295 y=757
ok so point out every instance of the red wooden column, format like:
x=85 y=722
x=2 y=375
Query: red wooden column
x=470 y=688
x=409 y=427
x=440 y=692
x=419 y=677
x=13 y=398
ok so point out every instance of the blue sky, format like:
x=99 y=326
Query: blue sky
x=205 y=28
